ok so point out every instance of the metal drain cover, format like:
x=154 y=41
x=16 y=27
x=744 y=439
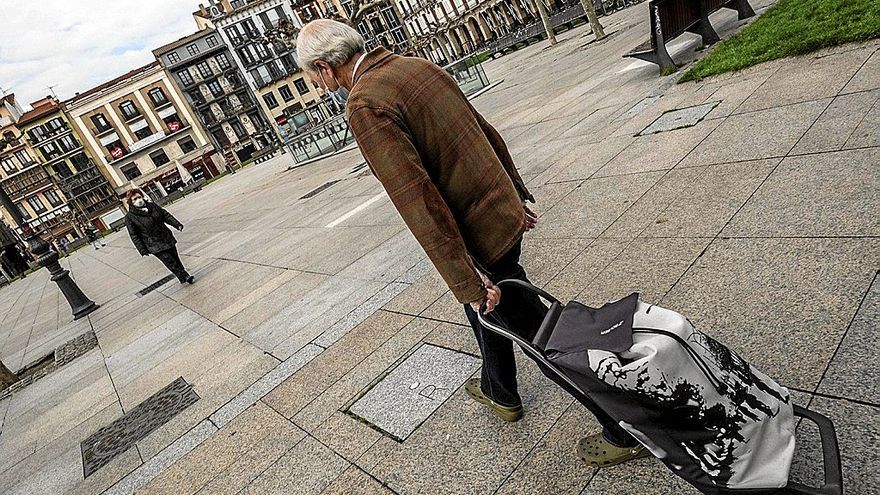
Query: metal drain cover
x=404 y=399
x=117 y=437
x=680 y=118
x=155 y=285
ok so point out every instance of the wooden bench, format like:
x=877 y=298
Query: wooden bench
x=672 y=18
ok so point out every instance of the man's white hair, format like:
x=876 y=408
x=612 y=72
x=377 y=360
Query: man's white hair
x=331 y=41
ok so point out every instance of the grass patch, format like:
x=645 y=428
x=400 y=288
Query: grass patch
x=788 y=28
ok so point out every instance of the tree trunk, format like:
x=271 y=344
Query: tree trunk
x=590 y=10
x=542 y=11
x=7 y=377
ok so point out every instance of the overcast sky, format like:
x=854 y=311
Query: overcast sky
x=77 y=44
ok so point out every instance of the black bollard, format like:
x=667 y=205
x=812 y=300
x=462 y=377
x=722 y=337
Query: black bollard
x=47 y=257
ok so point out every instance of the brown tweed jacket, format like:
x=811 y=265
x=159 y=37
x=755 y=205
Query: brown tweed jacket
x=447 y=171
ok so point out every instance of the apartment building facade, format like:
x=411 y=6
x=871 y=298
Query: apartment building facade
x=143 y=134
x=60 y=150
x=270 y=68
x=203 y=69
x=27 y=185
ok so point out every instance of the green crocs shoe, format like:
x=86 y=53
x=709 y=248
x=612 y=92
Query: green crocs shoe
x=598 y=452
x=507 y=413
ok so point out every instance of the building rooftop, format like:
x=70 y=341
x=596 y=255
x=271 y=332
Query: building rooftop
x=79 y=97
x=182 y=41
x=41 y=108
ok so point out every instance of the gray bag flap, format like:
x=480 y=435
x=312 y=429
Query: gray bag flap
x=608 y=328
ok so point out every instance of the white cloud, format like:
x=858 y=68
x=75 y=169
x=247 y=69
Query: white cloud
x=76 y=45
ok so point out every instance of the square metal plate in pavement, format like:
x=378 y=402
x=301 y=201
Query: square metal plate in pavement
x=679 y=118
x=407 y=396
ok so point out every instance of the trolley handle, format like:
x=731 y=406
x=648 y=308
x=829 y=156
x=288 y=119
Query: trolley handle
x=830 y=456
x=487 y=322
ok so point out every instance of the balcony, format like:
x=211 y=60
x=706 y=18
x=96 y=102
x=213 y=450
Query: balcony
x=32 y=179
x=101 y=131
x=164 y=102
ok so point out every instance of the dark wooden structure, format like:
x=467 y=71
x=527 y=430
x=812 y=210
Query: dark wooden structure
x=672 y=18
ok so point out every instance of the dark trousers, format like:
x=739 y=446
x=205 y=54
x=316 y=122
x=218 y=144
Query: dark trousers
x=522 y=312
x=171 y=260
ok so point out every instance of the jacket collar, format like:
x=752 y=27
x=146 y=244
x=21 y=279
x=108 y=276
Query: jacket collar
x=374 y=58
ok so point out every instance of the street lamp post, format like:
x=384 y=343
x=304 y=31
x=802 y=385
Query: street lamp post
x=80 y=305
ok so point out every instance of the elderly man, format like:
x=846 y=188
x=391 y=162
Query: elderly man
x=452 y=179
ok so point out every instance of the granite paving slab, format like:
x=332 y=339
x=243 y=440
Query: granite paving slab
x=809 y=77
x=837 y=123
x=847 y=376
x=750 y=294
x=866 y=134
x=657 y=151
x=867 y=76
x=594 y=205
x=412 y=391
x=307 y=468
x=356 y=480
x=692 y=202
x=553 y=466
x=228 y=460
x=857 y=428
x=756 y=135
x=830 y=194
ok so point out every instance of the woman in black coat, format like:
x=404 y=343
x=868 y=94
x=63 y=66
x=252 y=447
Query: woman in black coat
x=146 y=225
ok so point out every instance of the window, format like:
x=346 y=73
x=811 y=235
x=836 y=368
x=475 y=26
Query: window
x=173 y=58
x=67 y=143
x=23 y=157
x=205 y=69
x=23 y=211
x=157 y=96
x=36 y=134
x=62 y=170
x=270 y=100
x=215 y=88
x=173 y=122
x=8 y=164
x=144 y=132
x=129 y=111
x=223 y=61
x=192 y=49
x=131 y=171
x=212 y=41
x=286 y=93
x=55 y=125
x=115 y=149
x=301 y=86
x=53 y=198
x=36 y=204
x=234 y=34
x=185 y=77
x=246 y=56
x=101 y=124
x=186 y=144
x=50 y=151
x=80 y=161
x=239 y=129
x=159 y=158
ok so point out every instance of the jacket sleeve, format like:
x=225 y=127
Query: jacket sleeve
x=503 y=153
x=390 y=153
x=169 y=219
x=135 y=235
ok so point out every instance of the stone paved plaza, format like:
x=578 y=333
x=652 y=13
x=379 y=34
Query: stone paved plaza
x=312 y=316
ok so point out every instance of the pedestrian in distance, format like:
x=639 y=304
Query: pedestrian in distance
x=147 y=225
x=94 y=237
x=62 y=245
x=452 y=179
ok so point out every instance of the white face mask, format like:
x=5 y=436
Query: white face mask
x=140 y=203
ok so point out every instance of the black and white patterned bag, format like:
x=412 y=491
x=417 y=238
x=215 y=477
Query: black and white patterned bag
x=704 y=411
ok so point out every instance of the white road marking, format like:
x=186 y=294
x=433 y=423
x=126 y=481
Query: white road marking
x=363 y=206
